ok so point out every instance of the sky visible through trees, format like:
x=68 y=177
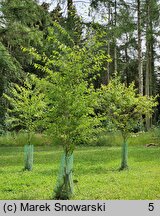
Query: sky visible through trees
x=88 y=15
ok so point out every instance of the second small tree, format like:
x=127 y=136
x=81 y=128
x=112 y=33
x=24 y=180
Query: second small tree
x=26 y=107
x=123 y=109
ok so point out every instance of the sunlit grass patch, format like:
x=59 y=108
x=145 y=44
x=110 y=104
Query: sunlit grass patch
x=95 y=171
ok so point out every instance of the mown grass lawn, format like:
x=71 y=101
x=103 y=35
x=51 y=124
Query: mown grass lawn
x=96 y=170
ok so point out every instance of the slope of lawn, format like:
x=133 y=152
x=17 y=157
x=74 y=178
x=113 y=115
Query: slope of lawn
x=95 y=168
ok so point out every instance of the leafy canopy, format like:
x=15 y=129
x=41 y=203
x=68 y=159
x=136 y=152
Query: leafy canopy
x=70 y=97
x=26 y=104
x=123 y=107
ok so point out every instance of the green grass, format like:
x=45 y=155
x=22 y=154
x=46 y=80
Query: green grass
x=95 y=168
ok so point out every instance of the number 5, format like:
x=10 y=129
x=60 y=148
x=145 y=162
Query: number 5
x=151 y=206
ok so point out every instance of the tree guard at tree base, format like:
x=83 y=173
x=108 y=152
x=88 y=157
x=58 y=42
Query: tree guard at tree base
x=124 y=163
x=64 y=186
x=28 y=157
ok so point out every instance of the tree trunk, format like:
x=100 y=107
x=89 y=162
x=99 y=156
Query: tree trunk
x=64 y=187
x=28 y=157
x=28 y=153
x=124 y=163
x=126 y=78
x=108 y=65
x=149 y=57
x=106 y=74
x=140 y=64
x=109 y=23
x=148 y=61
x=115 y=41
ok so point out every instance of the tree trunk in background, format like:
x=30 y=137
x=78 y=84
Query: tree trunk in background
x=106 y=73
x=115 y=41
x=149 y=88
x=126 y=69
x=140 y=64
x=108 y=64
x=148 y=59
